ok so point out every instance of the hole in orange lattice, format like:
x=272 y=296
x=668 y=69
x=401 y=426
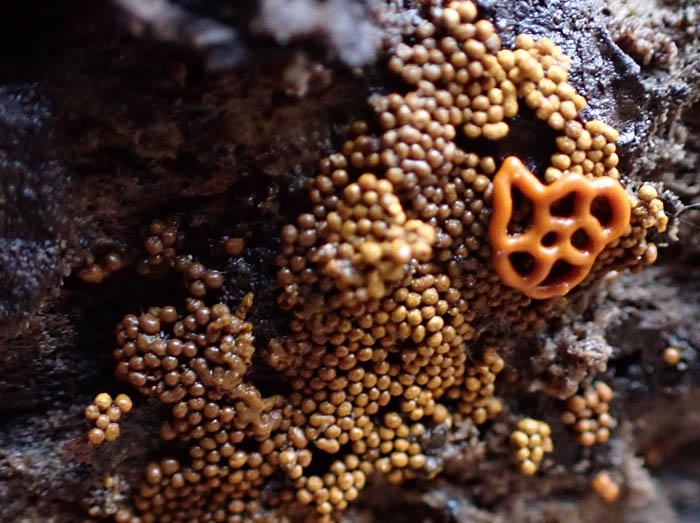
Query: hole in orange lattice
x=602 y=210
x=580 y=239
x=561 y=270
x=549 y=239
x=523 y=262
x=564 y=206
x=521 y=219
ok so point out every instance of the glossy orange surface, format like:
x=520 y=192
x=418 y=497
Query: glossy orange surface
x=572 y=220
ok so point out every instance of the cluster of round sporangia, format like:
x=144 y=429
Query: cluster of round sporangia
x=588 y=414
x=475 y=397
x=647 y=213
x=161 y=247
x=391 y=447
x=369 y=240
x=203 y=355
x=632 y=251
x=336 y=488
x=531 y=441
x=143 y=356
x=172 y=492
x=585 y=149
x=650 y=209
x=97 y=271
x=104 y=412
x=197 y=365
x=327 y=258
x=196 y=277
x=459 y=69
x=465 y=80
x=476 y=92
x=340 y=399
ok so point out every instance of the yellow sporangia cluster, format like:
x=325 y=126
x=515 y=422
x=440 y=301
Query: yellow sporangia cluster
x=530 y=442
x=389 y=281
x=104 y=412
x=588 y=414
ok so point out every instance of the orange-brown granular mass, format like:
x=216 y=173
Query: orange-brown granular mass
x=160 y=246
x=388 y=277
x=392 y=267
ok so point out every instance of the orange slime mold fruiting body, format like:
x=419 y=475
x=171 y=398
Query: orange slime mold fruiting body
x=573 y=219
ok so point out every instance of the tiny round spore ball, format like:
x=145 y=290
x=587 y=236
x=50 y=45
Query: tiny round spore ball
x=103 y=401
x=96 y=436
x=234 y=246
x=672 y=355
x=123 y=402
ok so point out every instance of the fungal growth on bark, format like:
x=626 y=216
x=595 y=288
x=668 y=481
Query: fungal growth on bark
x=367 y=260
x=414 y=241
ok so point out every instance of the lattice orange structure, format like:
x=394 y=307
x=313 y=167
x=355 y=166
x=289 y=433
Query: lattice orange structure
x=548 y=251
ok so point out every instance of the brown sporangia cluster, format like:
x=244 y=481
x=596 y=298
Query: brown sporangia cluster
x=588 y=415
x=391 y=266
x=649 y=209
x=161 y=246
x=104 y=412
x=197 y=365
x=97 y=271
x=530 y=442
x=632 y=251
x=160 y=243
x=389 y=280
